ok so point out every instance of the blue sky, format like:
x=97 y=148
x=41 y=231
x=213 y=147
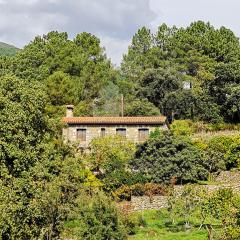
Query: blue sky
x=113 y=21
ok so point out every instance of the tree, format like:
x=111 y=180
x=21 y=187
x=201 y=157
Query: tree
x=166 y=156
x=80 y=66
x=224 y=206
x=42 y=179
x=141 y=108
x=199 y=55
x=155 y=84
x=232 y=103
x=136 y=60
x=96 y=218
x=109 y=157
x=23 y=125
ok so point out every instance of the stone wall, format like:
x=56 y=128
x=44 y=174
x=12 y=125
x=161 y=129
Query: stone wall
x=148 y=203
x=139 y=203
x=228 y=177
x=94 y=131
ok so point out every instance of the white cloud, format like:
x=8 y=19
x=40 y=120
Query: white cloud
x=115 y=47
x=114 y=21
x=182 y=13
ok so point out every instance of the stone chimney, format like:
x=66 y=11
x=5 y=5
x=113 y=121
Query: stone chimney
x=69 y=110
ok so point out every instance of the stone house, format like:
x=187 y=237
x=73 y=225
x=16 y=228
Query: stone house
x=83 y=129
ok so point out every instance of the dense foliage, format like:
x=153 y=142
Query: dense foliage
x=42 y=180
x=109 y=158
x=167 y=157
x=50 y=190
x=7 y=50
x=97 y=218
x=217 y=212
x=188 y=72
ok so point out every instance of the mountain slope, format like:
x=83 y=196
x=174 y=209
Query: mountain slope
x=7 y=50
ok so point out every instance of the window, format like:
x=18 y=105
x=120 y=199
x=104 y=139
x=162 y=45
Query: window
x=187 y=85
x=121 y=132
x=103 y=132
x=81 y=134
x=143 y=134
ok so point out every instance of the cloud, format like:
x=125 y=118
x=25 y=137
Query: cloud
x=116 y=47
x=114 y=21
x=182 y=13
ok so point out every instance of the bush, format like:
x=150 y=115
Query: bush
x=226 y=148
x=96 y=218
x=110 y=156
x=141 y=108
x=160 y=159
x=148 y=189
x=182 y=127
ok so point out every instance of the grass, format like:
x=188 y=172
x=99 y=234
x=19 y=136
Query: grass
x=158 y=227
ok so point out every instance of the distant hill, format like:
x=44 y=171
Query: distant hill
x=7 y=50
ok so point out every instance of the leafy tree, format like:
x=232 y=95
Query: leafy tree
x=165 y=157
x=199 y=55
x=140 y=108
x=79 y=66
x=233 y=103
x=155 y=84
x=224 y=206
x=96 y=218
x=136 y=60
x=23 y=125
x=43 y=178
x=109 y=157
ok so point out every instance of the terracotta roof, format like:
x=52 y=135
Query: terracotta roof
x=153 y=120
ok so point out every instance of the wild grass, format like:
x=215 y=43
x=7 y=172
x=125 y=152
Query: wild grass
x=158 y=227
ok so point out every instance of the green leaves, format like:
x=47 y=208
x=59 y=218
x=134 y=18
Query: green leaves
x=22 y=123
x=166 y=157
x=199 y=55
x=72 y=70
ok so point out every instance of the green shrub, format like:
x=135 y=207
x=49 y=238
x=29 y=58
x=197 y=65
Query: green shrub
x=110 y=156
x=182 y=127
x=226 y=148
x=96 y=218
x=160 y=159
x=123 y=193
x=148 y=189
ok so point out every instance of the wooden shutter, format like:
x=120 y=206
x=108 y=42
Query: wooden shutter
x=143 y=134
x=81 y=134
x=121 y=132
x=103 y=132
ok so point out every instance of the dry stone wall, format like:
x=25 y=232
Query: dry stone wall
x=148 y=203
x=228 y=177
x=139 y=203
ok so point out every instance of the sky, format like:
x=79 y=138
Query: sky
x=113 y=21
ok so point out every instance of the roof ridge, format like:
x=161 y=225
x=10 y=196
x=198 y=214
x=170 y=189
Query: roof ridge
x=159 y=119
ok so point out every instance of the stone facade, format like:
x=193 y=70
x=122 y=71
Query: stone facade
x=94 y=131
x=92 y=127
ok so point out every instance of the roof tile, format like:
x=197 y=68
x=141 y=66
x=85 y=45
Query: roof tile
x=151 y=120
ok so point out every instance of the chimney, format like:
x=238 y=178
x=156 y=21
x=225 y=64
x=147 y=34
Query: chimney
x=69 y=110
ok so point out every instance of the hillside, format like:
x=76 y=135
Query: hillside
x=7 y=50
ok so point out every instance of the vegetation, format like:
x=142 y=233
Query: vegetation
x=50 y=190
x=186 y=72
x=156 y=224
x=168 y=157
x=7 y=50
x=193 y=214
